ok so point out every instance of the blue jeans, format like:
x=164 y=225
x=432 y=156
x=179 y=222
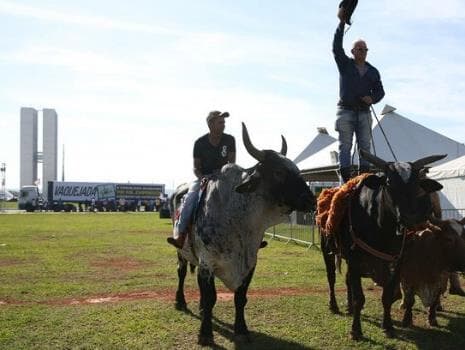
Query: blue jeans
x=349 y=122
x=190 y=202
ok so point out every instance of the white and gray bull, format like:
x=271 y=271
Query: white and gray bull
x=229 y=227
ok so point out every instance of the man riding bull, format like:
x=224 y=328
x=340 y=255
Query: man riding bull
x=211 y=152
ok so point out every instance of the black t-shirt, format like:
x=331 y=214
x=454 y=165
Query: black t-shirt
x=213 y=157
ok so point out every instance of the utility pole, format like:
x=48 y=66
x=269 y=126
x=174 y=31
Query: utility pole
x=3 y=179
x=63 y=165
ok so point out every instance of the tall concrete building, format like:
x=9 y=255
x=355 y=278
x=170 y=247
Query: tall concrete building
x=50 y=146
x=30 y=156
x=28 y=147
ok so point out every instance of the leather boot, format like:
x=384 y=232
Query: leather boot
x=345 y=174
x=177 y=242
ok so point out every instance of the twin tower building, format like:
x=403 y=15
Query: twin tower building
x=30 y=154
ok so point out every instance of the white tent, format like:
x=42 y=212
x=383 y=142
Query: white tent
x=321 y=140
x=409 y=141
x=452 y=176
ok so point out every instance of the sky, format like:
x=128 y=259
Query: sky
x=133 y=81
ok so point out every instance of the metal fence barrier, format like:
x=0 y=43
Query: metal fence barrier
x=300 y=227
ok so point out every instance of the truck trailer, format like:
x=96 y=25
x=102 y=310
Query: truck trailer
x=69 y=196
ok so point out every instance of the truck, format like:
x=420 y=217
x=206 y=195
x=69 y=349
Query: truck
x=29 y=198
x=69 y=196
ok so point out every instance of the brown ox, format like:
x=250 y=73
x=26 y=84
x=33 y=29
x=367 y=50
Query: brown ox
x=430 y=255
x=454 y=280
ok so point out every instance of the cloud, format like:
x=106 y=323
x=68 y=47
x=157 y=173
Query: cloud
x=430 y=85
x=227 y=49
x=77 y=60
x=187 y=46
x=426 y=9
x=14 y=9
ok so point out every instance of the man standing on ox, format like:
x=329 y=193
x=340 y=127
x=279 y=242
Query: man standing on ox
x=211 y=152
x=359 y=87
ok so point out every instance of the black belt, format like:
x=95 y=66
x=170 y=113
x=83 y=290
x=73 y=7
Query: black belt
x=355 y=108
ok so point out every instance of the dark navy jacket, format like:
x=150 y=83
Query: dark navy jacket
x=352 y=86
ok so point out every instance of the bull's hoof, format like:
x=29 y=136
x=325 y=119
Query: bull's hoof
x=180 y=306
x=242 y=338
x=206 y=340
x=263 y=244
x=433 y=323
x=439 y=308
x=334 y=309
x=356 y=335
x=390 y=333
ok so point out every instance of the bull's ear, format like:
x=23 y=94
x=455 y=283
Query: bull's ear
x=374 y=181
x=430 y=185
x=249 y=184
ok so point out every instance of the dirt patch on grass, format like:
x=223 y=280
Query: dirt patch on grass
x=169 y=295
x=7 y=262
x=122 y=263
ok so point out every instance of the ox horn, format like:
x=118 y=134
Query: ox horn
x=380 y=163
x=258 y=155
x=283 y=146
x=420 y=163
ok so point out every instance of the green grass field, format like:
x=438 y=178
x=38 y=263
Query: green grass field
x=8 y=205
x=107 y=281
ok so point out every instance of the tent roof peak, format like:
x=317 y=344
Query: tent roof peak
x=387 y=109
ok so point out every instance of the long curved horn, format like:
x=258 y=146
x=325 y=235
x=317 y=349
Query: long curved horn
x=258 y=155
x=283 y=146
x=420 y=163
x=373 y=159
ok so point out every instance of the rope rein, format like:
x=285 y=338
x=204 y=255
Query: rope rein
x=384 y=134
